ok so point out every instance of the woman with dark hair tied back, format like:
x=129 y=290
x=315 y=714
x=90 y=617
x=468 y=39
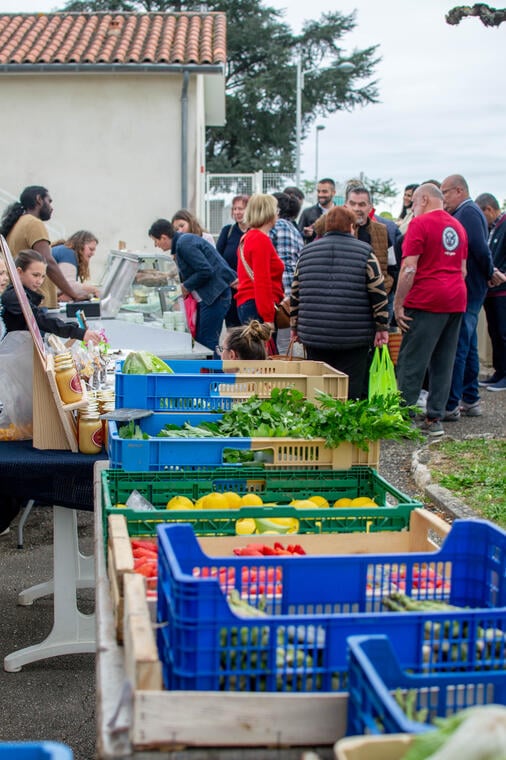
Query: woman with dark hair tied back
x=246 y=342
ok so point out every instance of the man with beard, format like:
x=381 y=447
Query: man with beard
x=23 y=227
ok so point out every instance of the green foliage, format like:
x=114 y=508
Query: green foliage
x=286 y=414
x=261 y=78
x=475 y=471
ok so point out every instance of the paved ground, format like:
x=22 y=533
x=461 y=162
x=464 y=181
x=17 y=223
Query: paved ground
x=55 y=699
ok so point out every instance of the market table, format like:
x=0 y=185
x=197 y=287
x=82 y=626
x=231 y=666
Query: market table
x=64 y=481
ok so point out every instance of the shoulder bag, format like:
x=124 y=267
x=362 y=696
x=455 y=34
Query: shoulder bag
x=281 y=309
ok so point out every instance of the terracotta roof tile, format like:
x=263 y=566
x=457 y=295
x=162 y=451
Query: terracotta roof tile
x=112 y=38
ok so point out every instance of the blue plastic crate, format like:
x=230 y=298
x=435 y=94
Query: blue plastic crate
x=375 y=673
x=158 y=454
x=35 y=751
x=315 y=603
x=217 y=385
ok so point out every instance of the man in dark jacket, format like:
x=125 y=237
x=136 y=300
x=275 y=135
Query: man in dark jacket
x=358 y=199
x=325 y=190
x=464 y=395
x=495 y=301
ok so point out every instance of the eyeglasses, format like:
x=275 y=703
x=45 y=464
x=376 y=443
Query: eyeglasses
x=220 y=349
x=448 y=190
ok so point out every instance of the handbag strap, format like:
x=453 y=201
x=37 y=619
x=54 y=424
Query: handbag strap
x=245 y=264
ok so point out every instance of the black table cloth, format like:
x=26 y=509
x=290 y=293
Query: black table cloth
x=49 y=477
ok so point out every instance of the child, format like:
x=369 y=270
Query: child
x=247 y=341
x=31 y=267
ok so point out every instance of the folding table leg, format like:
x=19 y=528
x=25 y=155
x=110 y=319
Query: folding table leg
x=73 y=632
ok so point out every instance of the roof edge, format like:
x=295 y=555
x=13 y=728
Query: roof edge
x=116 y=68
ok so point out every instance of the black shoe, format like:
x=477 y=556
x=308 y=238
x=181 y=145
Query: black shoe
x=491 y=380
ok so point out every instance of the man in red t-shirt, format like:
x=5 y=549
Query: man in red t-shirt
x=429 y=302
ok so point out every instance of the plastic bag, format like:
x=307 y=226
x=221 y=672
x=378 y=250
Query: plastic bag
x=382 y=381
x=190 y=306
x=16 y=386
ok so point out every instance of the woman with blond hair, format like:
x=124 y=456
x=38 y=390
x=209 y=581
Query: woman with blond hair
x=259 y=268
x=73 y=257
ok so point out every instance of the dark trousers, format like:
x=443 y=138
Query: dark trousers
x=430 y=343
x=495 y=309
x=354 y=362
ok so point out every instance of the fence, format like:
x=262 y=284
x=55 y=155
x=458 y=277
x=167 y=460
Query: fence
x=221 y=188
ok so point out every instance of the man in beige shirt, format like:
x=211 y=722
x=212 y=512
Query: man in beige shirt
x=23 y=227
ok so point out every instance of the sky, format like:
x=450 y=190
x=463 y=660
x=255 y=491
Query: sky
x=442 y=106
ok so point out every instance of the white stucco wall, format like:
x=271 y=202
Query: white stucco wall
x=106 y=146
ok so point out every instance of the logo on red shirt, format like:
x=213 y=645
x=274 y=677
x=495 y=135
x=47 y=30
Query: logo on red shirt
x=450 y=240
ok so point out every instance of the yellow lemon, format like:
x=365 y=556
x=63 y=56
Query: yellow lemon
x=199 y=504
x=245 y=527
x=121 y=506
x=180 y=502
x=294 y=503
x=363 y=501
x=320 y=501
x=233 y=499
x=304 y=504
x=344 y=502
x=214 y=501
x=251 y=500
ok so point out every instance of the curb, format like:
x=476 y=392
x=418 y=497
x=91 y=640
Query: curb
x=441 y=497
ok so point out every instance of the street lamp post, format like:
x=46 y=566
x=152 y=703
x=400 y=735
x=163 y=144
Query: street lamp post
x=345 y=67
x=319 y=128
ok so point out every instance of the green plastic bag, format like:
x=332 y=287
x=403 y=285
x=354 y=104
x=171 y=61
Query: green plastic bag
x=382 y=381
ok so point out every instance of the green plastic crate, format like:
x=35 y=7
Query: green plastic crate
x=279 y=486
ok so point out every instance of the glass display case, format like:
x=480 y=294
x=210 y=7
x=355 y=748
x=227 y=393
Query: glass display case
x=142 y=287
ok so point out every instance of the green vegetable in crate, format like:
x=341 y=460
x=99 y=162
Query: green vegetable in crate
x=287 y=414
x=132 y=430
x=478 y=733
x=144 y=363
x=406 y=699
x=246 y=648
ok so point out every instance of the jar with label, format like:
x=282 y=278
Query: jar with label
x=67 y=378
x=89 y=430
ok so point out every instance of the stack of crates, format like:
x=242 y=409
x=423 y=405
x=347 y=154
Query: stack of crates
x=198 y=391
x=316 y=602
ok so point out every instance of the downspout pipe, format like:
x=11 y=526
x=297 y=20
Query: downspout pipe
x=184 y=139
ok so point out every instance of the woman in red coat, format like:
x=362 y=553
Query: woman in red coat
x=259 y=268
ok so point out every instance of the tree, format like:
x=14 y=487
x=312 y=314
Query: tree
x=487 y=15
x=260 y=131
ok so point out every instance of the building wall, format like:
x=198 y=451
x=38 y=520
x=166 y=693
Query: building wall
x=106 y=146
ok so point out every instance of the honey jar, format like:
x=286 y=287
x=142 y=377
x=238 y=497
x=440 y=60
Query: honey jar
x=89 y=430
x=67 y=378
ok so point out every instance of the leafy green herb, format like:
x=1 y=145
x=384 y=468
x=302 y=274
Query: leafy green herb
x=131 y=430
x=287 y=414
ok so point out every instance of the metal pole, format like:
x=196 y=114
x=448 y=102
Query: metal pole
x=318 y=130
x=298 y=117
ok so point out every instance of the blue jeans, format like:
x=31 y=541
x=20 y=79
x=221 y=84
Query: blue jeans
x=466 y=367
x=210 y=321
x=248 y=311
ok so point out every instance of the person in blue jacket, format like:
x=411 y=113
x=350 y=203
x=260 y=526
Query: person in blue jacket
x=204 y=274
x=464 y=395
